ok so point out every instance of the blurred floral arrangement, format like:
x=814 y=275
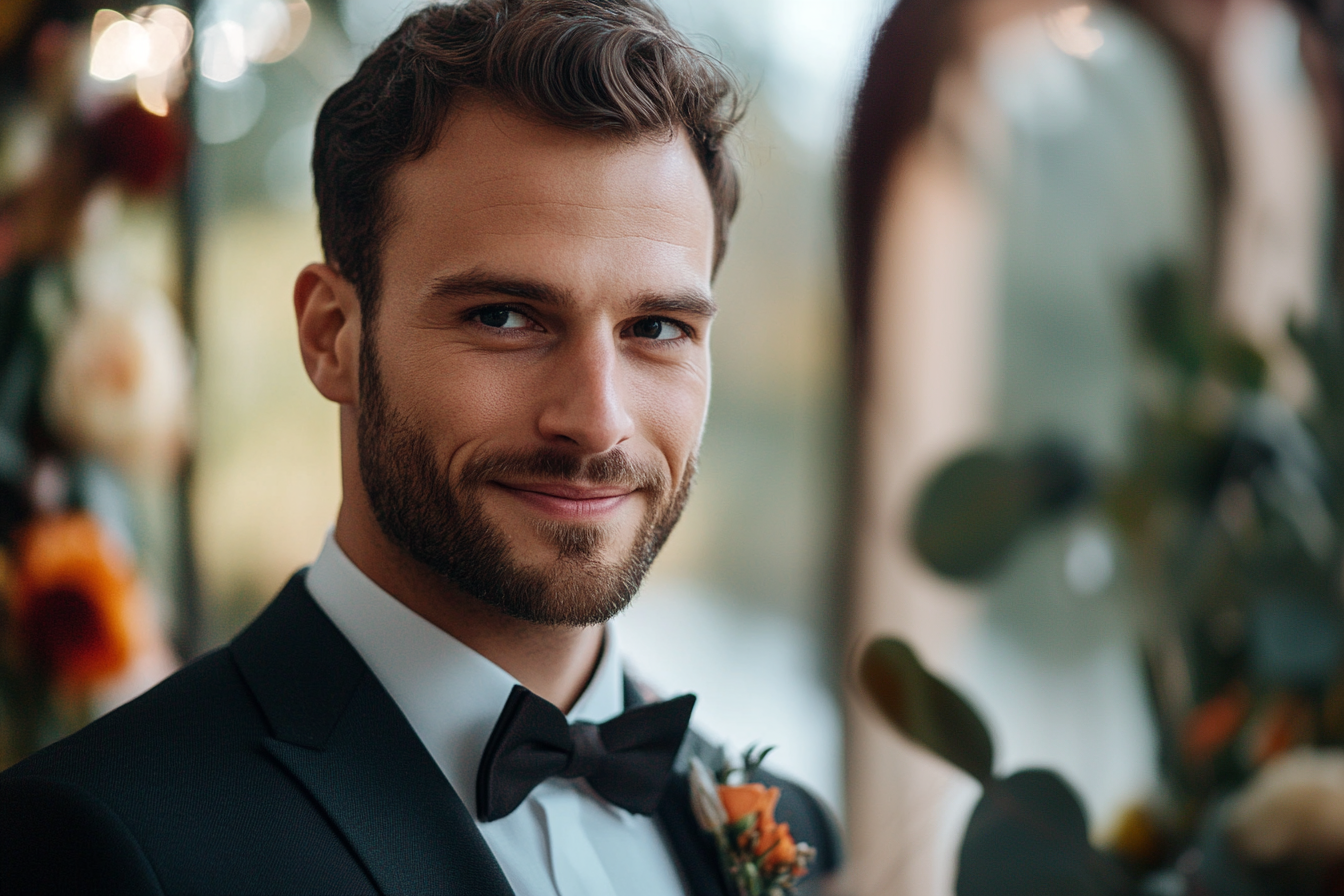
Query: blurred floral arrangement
x=1225 y=524
x=77 y=623
x=95 y=380
x=1229 y=515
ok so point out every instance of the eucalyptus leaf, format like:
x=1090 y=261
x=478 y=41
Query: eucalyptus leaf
x=1028 y=837
x=1239 y=363
x=1167 y=304
x=974 y=510
x=971 y=514
x=926 y=709
x=1060 y=478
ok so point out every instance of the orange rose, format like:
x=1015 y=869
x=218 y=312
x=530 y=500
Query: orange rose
x=743 y=799
x=773 y=840
x=784 y=853
x=75 y=605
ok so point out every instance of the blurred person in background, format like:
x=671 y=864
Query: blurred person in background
x=522 y=207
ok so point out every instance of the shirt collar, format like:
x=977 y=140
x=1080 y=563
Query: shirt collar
x=451 y=695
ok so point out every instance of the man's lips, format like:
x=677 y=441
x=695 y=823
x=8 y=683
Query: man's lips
x=569 y=501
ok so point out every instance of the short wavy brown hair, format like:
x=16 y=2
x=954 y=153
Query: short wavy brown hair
x=613 y=66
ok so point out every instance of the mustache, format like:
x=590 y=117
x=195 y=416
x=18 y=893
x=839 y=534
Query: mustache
x=614 y=468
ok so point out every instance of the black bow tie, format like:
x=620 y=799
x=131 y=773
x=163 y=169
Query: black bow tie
x=627 y=759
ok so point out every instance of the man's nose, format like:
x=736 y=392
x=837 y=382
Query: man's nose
x=586 y=402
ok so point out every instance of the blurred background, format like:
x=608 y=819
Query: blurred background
x=1029 y=356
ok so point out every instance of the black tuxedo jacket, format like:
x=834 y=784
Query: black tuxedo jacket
x=279 y=764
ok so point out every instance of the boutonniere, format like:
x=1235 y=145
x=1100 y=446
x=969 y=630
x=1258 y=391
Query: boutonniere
x=758 y=854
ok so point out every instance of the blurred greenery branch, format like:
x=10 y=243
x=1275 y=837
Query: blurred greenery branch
x=1229 y=510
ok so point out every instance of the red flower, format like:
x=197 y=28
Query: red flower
x=142 y=150
x=1212 y=725
x=75 y=604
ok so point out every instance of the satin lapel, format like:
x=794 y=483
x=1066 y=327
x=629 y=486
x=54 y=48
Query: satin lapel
x=343 y=739
x=695 y=850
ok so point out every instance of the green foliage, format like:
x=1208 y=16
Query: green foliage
x=1230 y=509
x=975 y=510
x=1028 y=837
x=1028 y=834
x=1175 y=323
x=1168 y=318
x=971 y=514
x=752 y=758
x=926 y=709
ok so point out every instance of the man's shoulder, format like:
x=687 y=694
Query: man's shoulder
x=190 y=747
x=93 y=812
x=175 y=792
x=200 y=726
x=201 y=709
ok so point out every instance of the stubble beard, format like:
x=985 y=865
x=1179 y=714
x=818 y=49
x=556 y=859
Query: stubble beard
x=443 y=525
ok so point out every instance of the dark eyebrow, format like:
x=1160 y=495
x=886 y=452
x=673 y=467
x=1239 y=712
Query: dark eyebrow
x=476 y=284
x=690 y=302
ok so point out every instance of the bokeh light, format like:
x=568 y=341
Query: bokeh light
x=121 y=50
x=150 y=45
x=1069 y=30
x=223 y=51
x=238 y=33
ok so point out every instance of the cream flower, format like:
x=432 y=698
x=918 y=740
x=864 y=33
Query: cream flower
x=1293 y=808
x=120 y=382
x=705 y=803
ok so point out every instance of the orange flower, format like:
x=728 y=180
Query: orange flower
x=1213 y=724
x=74 y=602
x=778 y=848
x=743 y=799
x=773 y=841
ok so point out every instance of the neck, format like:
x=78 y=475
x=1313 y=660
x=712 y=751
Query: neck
x=554 y=662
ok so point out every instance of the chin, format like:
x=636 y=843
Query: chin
x=549 y=543
x=538 y=541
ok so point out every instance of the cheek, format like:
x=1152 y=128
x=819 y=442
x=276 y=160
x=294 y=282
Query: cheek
x=671 y=411
x=457 y=396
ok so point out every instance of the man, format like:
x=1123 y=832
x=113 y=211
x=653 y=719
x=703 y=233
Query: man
x=522 y=203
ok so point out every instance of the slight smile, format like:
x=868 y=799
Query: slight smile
x=568 y=501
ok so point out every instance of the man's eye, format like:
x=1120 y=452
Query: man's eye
x=501 y=318
x=657 y=328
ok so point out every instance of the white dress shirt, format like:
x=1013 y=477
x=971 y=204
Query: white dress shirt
x=564 y=840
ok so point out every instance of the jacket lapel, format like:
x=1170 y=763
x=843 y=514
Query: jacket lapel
x=695 y=850
x=343 y=739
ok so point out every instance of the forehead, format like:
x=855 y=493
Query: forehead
x=500 y=188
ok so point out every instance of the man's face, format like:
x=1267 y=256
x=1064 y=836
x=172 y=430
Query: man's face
x=535 y=381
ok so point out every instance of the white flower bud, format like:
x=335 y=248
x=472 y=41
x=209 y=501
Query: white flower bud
x=705 y=803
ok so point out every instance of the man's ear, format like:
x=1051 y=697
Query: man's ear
x=327 y=311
